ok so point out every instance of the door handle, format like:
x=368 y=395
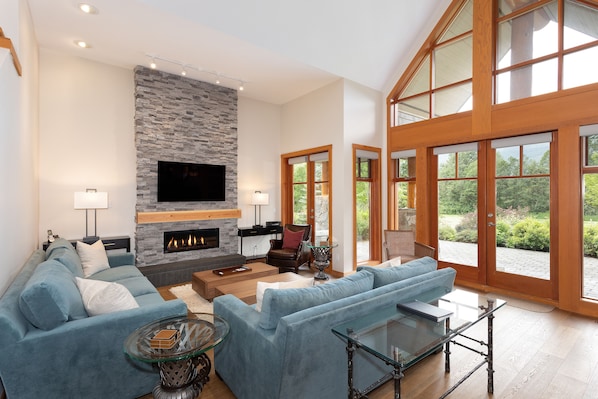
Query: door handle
x=490 y=224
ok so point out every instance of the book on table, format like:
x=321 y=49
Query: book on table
x=425 y=310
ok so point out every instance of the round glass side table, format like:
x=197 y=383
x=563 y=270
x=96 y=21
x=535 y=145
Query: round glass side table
x=184 y=367
x=321 y=252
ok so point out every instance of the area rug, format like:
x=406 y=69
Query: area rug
x=195 y=303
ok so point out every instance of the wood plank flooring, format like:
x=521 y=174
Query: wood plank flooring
x=537 y=356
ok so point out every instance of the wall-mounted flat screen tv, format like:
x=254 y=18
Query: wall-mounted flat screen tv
x=181 y=181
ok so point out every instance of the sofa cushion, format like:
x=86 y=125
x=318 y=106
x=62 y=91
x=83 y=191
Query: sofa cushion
x=51 y=296
x=387 y=275
x=137 y=286
x=101 y=297
x=279 y=303
x=114 y=274
x=64 y=252
x=93 y=257
x=262 y=286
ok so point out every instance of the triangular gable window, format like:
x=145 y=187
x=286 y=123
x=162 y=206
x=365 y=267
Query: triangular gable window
x=530 y=58
x=442 y=84
x=541 y=46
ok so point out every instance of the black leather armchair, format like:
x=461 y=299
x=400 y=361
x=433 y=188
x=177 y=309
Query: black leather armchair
x=284 y=254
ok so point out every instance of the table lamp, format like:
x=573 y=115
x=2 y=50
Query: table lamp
x=91 y=199
x=257 y=200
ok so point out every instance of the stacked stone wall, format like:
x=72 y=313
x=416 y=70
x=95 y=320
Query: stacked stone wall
x=183 y=120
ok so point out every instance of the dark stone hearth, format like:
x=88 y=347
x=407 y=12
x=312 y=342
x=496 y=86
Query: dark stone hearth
x=180 y=272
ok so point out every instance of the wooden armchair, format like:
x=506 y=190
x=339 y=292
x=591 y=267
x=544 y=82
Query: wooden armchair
x=402 y=243
x=291 y=251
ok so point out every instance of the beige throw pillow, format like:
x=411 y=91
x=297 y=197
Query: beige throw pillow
x=93 y=257
x=262 y=286
x=101 y=297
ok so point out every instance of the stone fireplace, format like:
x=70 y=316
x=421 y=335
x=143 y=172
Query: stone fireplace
x=183 y=120
x=191 y=240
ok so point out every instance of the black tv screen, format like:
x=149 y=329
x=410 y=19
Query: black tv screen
x=181 y=181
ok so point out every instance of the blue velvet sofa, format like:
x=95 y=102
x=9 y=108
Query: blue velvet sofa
x=288 y=350
x=55 y=350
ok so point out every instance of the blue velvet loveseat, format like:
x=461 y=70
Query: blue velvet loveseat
x=50 y=347
x=288 y=350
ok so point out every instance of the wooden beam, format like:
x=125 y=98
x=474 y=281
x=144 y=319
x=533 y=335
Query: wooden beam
x=183 y=216
x=7 y=43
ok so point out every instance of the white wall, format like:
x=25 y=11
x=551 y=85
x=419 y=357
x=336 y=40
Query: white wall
x=18 y=141
x=86 y=141
x=259 y=128
x=362 y=126
x=340 y=114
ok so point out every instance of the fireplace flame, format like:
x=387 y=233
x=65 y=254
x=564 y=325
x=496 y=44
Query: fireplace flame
x=190 y=240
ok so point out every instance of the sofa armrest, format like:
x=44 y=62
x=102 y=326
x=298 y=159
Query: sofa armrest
x=123 y=259
x=245 y=345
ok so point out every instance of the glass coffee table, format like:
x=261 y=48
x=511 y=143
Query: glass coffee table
x=182 y=360
x=401 y=338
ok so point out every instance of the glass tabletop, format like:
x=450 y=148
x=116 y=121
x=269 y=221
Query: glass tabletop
x=403 y=338
x=192 y=336
x=322 y=244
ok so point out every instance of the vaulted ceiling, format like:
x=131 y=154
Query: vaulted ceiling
x=279 y=49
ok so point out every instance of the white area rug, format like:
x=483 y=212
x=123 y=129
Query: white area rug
x=195 y=303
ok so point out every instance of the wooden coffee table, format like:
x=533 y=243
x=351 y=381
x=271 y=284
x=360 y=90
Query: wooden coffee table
x=245 y=290
x=206 y=282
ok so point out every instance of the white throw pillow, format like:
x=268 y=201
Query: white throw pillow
x=100 y=297
x=395 y=261
x=262 y=286
x=93 y=257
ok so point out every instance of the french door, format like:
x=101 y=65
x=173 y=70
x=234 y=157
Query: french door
x=306 y=191
x=494 y=212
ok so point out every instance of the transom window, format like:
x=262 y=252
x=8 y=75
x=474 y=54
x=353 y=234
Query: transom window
x=544 y=46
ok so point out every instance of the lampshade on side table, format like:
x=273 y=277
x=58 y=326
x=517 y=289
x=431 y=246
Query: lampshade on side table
x=91 y=199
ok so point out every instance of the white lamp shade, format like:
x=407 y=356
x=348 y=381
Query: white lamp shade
x=259 y=198
x=91 y=200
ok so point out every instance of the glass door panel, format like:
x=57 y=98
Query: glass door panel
x=590 y=214
x=363 y=206
x=457 y=208
x=522 y=238
x=300 y=204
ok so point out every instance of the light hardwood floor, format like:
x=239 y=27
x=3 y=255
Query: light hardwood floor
x=537 y=356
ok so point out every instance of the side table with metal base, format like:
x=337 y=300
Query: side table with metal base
x=185 y=367
x=321 y=253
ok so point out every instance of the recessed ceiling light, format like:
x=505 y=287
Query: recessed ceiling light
x=82 y=44
x=88 y=8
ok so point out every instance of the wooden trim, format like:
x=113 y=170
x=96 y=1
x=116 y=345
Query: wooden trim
x=7 y=44
x=183 y=216
x=375 y=204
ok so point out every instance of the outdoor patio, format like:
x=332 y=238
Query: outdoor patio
x=519 y=261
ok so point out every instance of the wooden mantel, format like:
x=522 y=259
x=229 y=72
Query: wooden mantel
x=184 y=216
x=5 y=42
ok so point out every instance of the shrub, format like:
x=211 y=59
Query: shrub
x=530 y=234
x=503 y=232
x=469 y=221
x=470 y=236
x=446 y=233
x=590 y=241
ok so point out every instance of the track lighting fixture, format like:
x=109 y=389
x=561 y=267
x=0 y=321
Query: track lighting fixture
x=219 y=77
